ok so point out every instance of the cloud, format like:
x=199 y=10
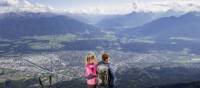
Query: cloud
x=22 y=5
x=165 y=5
x=4 y=3
x=103 y=8
x=139 y=6
x=106 y=8
x=14 y=3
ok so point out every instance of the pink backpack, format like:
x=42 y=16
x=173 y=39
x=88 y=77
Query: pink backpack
x=91 y=74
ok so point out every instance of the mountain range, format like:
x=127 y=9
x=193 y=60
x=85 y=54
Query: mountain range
x=185 y=26
x=133 y=19
x=28 y=24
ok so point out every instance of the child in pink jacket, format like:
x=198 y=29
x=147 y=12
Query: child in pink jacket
x=91 y=71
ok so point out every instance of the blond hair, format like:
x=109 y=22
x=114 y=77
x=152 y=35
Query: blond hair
x=89 y=57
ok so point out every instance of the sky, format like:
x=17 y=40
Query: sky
x=91 y=6
x=101 y=6
x=75 y=3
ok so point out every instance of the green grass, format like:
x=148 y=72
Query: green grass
x=54 y=38
x=4 y=45
x=22 y=41
x=4 y=40
x=53 y=41
x=49 y=45
x=110 y=37
x=7 y=70
x=19 y=82
x=4 y=71
x=15 y=78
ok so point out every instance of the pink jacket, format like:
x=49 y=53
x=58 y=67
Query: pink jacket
x=91 y=70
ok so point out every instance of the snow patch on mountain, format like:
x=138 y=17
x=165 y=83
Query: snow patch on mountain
x=22 y=5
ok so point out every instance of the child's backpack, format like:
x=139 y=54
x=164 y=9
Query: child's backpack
x=103 y=75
